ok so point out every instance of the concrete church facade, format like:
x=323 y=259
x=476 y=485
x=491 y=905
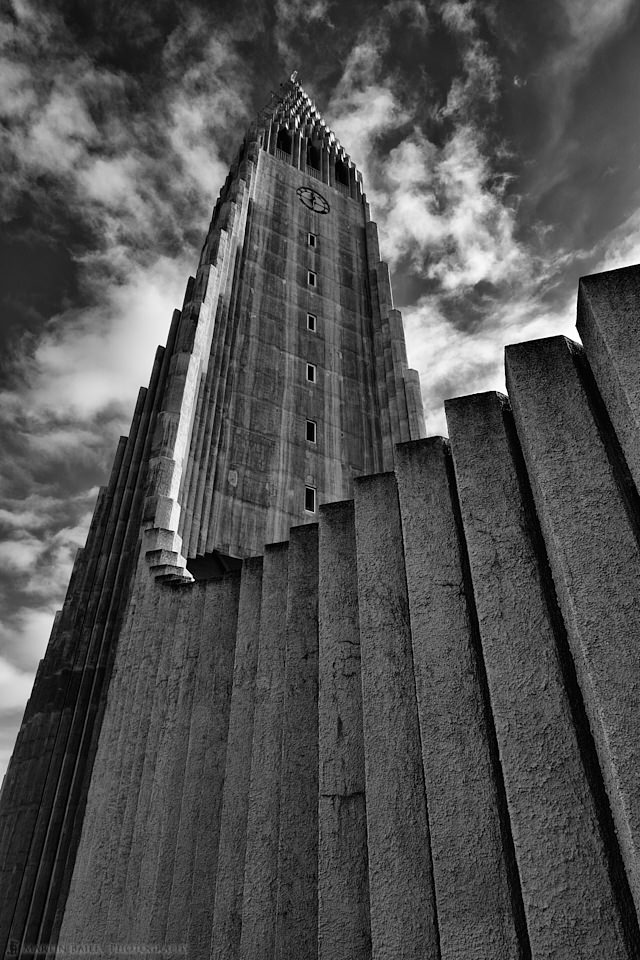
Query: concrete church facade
x=321 y=687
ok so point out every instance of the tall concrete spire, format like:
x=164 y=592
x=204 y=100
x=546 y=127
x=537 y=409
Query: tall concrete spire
x=289 y=374
x=284 y=377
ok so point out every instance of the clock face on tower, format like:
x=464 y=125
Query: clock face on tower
x=313 y=200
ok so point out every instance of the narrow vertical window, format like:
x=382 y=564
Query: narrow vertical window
x=310 y=499
x=311 y=239
x=311 y=372
x=312 y=321
x=311 y=431
x=311 y=278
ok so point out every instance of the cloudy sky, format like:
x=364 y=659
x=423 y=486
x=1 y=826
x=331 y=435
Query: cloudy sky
x=499 y=142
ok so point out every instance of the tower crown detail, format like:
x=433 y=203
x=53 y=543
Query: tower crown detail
x=292 y=128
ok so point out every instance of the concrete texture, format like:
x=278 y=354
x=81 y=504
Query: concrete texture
x=567 y=887
x=609 y=327
x=590 y=543
x=403 y=921
x=344 y=931
x=227 y=918
x=297 y=900
x=263 y=819
x=470 y=842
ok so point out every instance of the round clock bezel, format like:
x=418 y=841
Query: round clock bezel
x=304 y=192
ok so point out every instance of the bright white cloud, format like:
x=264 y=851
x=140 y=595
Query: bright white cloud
x=15 y=687
x=622 y=246
x=23 y=640
x=456 y=362
x=79 y=366
x=439 y=206
x=592 y=22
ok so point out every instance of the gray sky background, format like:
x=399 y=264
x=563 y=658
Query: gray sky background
x=499 y=143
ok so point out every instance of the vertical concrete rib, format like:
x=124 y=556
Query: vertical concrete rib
x=297 y=897
x=403 y=909
x=203 y=713
x=104 y=635
x=132 y=698
x=212 y=699
x=473 y=868
x=569 y=894
x=141 y=759
x=263 y=821
x=65 y=774
x=99 y=855
x=227 y=914
x=609 y=325
x=167 y=798
x=595 y=559
x=344 y=931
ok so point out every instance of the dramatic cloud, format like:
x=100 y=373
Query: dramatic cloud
x=292 y=17
x=137 y=181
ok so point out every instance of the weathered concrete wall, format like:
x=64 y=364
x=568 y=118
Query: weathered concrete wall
x=217 y=462
x=412 y=730
x=46 y=785
x=344 y=930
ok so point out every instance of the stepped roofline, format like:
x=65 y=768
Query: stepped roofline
x=291 y=127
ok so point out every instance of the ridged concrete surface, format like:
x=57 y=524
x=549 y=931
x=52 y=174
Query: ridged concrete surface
x=412 y=731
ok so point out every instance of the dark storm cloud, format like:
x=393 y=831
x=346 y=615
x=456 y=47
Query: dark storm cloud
x=497 y=142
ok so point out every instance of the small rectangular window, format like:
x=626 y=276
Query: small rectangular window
x=311 y=372
x=311 y=431
x=311 y=278
x=311 y=239
x=310 y=499
x=312 y=321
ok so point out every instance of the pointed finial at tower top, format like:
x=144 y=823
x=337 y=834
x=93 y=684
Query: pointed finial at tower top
x=294 y=75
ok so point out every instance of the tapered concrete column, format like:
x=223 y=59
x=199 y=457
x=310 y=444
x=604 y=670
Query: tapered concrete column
x=227 y=916
x=595 y=560
x=166 y=804
x=343 y=884
x=101 y=864
x=474 y=873
x=263 y=820
x=403 y=913
x=190 y=907
x=211 y=713
x=609 y=325
x=561 y=831
x=297 y=911
x=137 y=746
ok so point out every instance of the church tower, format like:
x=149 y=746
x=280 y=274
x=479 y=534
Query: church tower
x=321 y=689
x=284 y=378
x=289 y=375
